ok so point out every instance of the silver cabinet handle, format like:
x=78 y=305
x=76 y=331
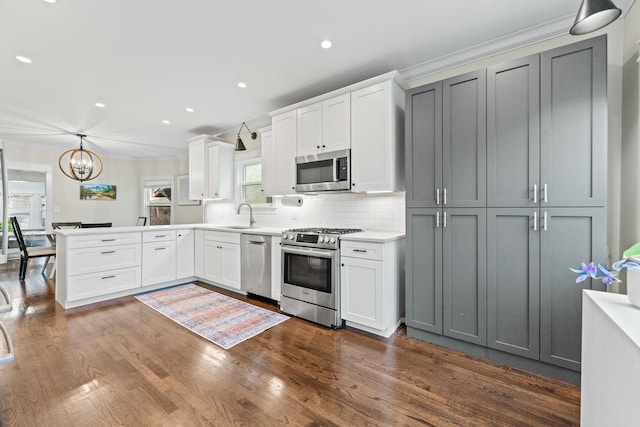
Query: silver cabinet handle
x=158 y=236
x=445 y=201
x=535 y=220
x=108 y=277
x=160 y=249
x=444 y=217
x=544 y=196
x=437 y=196
x=544 y=221
x=535 y=194
x=438 y=219
x=360 y=250
x=108 y=252
x=108 y=240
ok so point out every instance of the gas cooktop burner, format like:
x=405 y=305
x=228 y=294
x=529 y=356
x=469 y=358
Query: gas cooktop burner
x=319 y=230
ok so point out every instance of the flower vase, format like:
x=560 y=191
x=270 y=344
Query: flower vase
x=633 y=287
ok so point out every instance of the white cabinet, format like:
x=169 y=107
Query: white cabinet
x=268 y=159
x=222 y=258
x=91 y=266
x=158 y=256
x=372 y=285
x=198 y=253
x=276 y=268
x=279 y=163
x=377 y=122
x=185 y=251
x=324 y=126
x=210 y=169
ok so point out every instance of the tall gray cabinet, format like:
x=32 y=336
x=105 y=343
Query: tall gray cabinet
x=519 y=149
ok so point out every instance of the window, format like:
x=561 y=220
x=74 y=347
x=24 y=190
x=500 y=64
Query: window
x=250 y=182
x=157 y=201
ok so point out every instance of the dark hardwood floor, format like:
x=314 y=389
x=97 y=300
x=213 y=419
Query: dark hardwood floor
x=122 y=363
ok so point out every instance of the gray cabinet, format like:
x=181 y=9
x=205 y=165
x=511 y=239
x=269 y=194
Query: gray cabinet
x=490 y=266
x=464 y=274
x=573 y=106
x=464 y=140
x=568 y=237
x=513 y=133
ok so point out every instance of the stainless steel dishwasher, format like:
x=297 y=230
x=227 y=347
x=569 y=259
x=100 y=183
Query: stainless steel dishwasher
x=255 y=253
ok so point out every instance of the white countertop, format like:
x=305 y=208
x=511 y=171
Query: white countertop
x=365 y=236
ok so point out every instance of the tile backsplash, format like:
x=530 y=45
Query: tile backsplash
x=379 y=212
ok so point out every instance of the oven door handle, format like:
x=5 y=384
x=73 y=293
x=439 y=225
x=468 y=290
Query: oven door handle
x=324 y=253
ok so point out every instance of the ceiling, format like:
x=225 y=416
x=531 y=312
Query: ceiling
x=148 y=60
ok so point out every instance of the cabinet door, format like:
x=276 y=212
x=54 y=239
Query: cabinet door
x=185 y=253
x=220 y=171
x=571 y=236
x=361 y=291
x=336 y=123
x=513 y=283
x=424 y=145
x=309 y=129
x=197 y=171
x=199 y=257
x=230 y=257
x=375 y=120
x=158 y=262
x=268 y=162
x=464 y=140
x=284 y=152
x=513 y=133
x=464 y=278
x=424 y=270
x=574 y=124
x=276 y=268
x=212 y=261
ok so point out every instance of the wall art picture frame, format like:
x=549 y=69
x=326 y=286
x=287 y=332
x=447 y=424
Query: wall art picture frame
x=89 y=191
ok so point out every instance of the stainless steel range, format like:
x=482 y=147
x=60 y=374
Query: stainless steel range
x=311 y=274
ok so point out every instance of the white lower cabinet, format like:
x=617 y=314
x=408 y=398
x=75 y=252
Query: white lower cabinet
x=372 y=285
x=102 y=283
x=158 y=256
x=198 y=253
x=222 y=258
x=185 y=261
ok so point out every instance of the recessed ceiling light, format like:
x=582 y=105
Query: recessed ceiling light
x=189 y=110
x=242 y=85
x=326 y=44
x=23 y=59
x=166 y=122
x=98 y=104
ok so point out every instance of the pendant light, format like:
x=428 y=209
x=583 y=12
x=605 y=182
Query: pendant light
x=593 y=15
x=239 y=144
x=81 y=165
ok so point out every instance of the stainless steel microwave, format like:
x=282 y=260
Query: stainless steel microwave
x=330 y=171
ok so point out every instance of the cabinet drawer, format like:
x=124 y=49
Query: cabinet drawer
x=89 y=260
x=158 y=236
x=102 y=283
x=108 y=239
x=362 y=250
x=221 y=236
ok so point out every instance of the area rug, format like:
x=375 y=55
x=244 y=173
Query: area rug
x=222 y=320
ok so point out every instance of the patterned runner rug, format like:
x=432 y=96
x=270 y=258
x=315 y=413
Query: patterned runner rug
x=222 y=320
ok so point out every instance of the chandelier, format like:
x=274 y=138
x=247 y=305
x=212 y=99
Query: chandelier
x=80 y=164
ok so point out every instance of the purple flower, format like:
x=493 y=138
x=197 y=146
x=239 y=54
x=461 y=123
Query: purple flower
x=609 y=277
x=585 y=272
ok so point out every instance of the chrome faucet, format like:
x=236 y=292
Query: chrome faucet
x=251 y=220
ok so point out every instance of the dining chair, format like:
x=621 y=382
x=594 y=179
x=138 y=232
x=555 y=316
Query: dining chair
x=61 y=225
x=27 y=253
x=142 y=220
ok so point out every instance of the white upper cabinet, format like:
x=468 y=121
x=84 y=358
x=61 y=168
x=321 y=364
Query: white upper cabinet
x=325 y=126
x=279 y=161
x=377 y=123
x=268 y=158
x=210 y=169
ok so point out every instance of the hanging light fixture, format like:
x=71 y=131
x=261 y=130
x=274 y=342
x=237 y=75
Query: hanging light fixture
x=239 y=144
x=593 y=15
x=81 y=165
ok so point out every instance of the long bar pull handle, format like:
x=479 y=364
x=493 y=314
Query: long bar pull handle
x=438 y=219
x=444 y=219
x=438 y=196
x=535 y=220
x=445 y=198
x=108 y=252
x=535 y=194
x=544 y=221
x=544 y=198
